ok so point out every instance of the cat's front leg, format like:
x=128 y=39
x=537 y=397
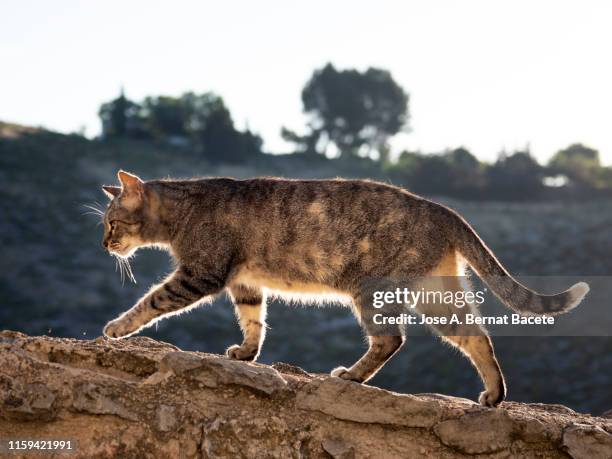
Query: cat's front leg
x=128 y=323
x=182 y=289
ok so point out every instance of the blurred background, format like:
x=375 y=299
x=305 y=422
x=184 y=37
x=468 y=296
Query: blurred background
x=501 y=112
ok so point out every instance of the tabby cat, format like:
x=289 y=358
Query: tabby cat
x=308 y=238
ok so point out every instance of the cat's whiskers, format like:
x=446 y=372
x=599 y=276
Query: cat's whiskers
x=119 y=266
x=125 y=269
x=95 y=209
x=128 y=269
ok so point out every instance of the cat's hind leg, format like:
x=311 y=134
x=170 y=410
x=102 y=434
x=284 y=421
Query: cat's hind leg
x=381 y=348
x=471 y=339
x=250 y=307
x=479 y=349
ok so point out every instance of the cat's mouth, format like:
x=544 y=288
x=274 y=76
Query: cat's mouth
x=121 y=250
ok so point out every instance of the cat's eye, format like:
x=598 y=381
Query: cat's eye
x=115 y=223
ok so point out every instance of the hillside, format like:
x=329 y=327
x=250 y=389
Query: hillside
x=56 y=279
x=143 y=398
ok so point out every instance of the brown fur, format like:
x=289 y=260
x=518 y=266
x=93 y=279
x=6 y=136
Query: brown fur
x=306 y=239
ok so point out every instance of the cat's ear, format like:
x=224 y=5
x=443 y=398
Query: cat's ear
x=111 y=191
x=130 y=182
x=132 y=190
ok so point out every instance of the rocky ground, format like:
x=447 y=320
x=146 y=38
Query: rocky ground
x=143 y=398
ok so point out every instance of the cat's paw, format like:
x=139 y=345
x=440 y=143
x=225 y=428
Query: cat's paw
x=243 y=352
x=345 y=373
x=491 y=398
x=117 y=328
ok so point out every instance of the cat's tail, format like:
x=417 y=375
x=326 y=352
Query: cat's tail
x=511 y=292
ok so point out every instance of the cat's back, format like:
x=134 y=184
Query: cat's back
x=326 y=209
x=337 y=204
x=336 y=193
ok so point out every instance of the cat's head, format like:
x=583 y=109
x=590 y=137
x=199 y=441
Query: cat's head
x=125 y=216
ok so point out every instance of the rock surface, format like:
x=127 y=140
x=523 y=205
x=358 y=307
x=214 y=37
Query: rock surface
x=142 y=398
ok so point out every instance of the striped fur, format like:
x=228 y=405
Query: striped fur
x=309 y=240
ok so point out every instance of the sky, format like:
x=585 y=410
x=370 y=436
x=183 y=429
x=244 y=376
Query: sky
x=488 y=76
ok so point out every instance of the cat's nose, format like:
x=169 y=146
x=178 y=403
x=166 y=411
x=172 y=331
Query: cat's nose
x=105 y=243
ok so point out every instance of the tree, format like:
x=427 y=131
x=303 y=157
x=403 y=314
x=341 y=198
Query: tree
x=212 y=130
x=455 y=173
x=304 y=143
x=122 y=118
x=200 y=120
x=580 y=164
x=468 y=174
x=516 y=176
x=356 y=111
x=167 y=116
x=430 y=174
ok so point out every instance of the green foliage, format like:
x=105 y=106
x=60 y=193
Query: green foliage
x=356 y=111
x=581 y=165
x=123 y=118
x=201 y=121
x=212 y=129
x=304 y=143
x=167 y=116
x=512 y=177
x=518 y=175
x=455 y=173
x=355 y=114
